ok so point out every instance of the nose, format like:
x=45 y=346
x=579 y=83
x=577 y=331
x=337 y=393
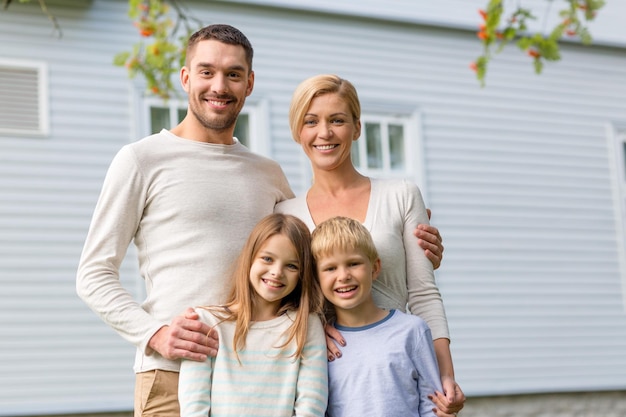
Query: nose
x=219 y=84
x=326 y=130
x=276 y=270
x=344 y=274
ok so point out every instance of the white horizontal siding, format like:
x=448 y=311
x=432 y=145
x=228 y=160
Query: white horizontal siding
x=57 y=356
x=517 y=175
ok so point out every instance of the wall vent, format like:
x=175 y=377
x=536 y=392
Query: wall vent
x=23 y=98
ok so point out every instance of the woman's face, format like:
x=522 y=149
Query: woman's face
x=328 y=132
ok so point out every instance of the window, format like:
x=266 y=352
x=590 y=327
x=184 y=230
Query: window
x=23 y=98
x=248 y=130
x=388 y=146
x=618 y=137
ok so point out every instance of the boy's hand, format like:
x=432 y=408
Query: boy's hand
x=452 y=402
x=333 y=337
x=186 y=337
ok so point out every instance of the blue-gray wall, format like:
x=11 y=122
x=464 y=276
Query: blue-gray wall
x=518 y=175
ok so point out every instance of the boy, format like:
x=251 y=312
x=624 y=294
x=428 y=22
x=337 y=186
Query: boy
x=388 y=366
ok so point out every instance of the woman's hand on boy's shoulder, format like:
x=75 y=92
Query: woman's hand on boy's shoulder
x=333 y=339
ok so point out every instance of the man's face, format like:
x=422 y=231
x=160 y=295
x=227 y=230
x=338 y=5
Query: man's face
x=217 y=80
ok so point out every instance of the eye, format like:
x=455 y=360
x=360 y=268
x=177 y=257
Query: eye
x=234 y=75
x=293 y=267
x=337 y=121
x=266 y=259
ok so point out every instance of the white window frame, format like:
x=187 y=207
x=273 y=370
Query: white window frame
x=617 y=147
x=43 y=106
x=256 y=110
x=413 y=155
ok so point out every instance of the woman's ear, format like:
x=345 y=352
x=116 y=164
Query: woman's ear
x=357 y=131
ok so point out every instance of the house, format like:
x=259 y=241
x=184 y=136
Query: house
x=526 y=179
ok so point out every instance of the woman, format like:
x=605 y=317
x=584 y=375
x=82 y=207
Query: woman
x=324 y=118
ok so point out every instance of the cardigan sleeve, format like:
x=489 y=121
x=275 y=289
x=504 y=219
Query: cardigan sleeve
x=424 y=298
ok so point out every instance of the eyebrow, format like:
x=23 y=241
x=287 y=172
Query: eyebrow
x=332 y=115
x=231 y=68
x=272 y=254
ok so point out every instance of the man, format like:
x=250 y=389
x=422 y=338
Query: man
x=188 y=198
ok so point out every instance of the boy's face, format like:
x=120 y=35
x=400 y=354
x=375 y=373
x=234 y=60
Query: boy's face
x=346 y=278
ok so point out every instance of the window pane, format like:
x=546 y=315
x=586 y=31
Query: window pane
x=624 y=155
x=374 y=147
x=181 y=114
x=159 y=119
x=354 y=153
x=242 y=129
x=396 y=147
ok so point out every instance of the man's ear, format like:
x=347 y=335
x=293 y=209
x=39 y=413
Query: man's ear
x=250 y=83
x=376 y=265
x=184 y=78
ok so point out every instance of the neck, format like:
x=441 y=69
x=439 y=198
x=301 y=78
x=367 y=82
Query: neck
x=331 y=182
x=190 y=129
x=363 y=315
x=264 y=312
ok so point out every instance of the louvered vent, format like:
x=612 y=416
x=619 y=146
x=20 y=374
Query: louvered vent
x=23 y=99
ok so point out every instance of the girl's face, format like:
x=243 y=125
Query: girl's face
x=274 y=275
x=328 y=132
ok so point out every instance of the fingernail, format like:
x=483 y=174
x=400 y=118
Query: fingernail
x=338 y=354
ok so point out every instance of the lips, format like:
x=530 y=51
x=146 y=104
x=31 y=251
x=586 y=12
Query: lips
x=345 y=290
x=273 y=284
x=325 y=147
x=221 y=101
x=217 y=103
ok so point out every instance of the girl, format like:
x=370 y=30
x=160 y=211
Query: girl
x=325 y=119
x=271 y=359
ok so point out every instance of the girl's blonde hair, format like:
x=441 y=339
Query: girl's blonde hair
x=317 y=86
x=305 y=299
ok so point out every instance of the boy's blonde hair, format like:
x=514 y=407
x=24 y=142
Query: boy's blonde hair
x=343 y=234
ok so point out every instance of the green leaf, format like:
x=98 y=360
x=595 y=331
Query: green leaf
x=585 y=36
x=121 y=58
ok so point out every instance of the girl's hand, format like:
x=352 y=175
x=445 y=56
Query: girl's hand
x=333 y=337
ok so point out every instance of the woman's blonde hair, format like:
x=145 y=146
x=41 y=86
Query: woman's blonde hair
x=317 y=86
x=305 y=299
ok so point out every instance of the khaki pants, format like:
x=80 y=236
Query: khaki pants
x=156 y=394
